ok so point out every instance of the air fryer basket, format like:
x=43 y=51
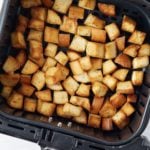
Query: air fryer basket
x=35 y=124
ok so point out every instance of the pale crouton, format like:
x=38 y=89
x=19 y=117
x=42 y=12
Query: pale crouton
x=6 y=91
x=48 y=3
x=107 y=124
x=83 y=90
x=29 y=3
x=25 y=79
x=120 y=43
x=60 y=97
x=94 y=121
x=85 y=63
x=137 y=78
x=128 y=109
x=82 y=78
x=95 y=75
x=21 y=57
x=59 y=111
x=96 y=63
x=56 y=87
x=72 y=55
x=35 y=35
x=36 y=24
x=144 y=50
x=44 y=95
x=87 y=4
x=76 y=12
x=30 y=104
x=64 y=40
x=131 y=98
x=120 y=74
x=84 y=30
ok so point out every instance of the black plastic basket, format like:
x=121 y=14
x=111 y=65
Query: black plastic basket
x=61 y=133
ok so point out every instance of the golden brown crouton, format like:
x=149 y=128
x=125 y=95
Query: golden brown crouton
x=96 y=63
x=60 y=97
x=95 y=75
x=36 y=24
x=55 y=87
x=94 y=121
x=64 y=40
x=85 y=63
x=137 y=78
x=144 y=50
x=128 y=109
x=21 y=57
x=83 y=77
x=120 y=43
x=87 y=4
x=25 y=79
x=29 y=3
x=84 y=30
x=83 y=90
x=35 y=35
x=6 y=91
x=64 y=71
x=120 y=74
x=76 y=12
x=39 y=62
x=72 y=55
x=107 y=124
x=48 y=3
x=30 y=104
x=131 y=98
x=44 y=95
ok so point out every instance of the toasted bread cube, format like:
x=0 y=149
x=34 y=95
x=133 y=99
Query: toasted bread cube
x=11 y=65
x=70 y=85
x=94 y=21
x=112 y=31
x=125 y=87
x=38 y=13
x=60 y=97
x=59 y=111
x=17 y=40
x=140 y=62
x=120 y=119
x=38 y=80
x=117 y=100
x=128 y=24
x=9 y=80
x=51 y=31
x=48 y=3
x=96 y=104
x=107 y=9
x=56 y=87
x=69 y=25
x=144 y=50
x=76 y=67
x=120 y=43
x=44 y=95
x=62 y=58
x=110 y=50
x=83 y=90
x=95 y=75
x=108 y=67
x=84 y=30
x=6 y=91
x=76 y=12
x=99 y=89
x=85 y=63
x=110 y=81
x=26 y=89
x=137 y=78
x=35 y=35
x=120 y=74
x=107 y=124
x=22 y=20
x=15 y=100
x=83 y=78
x=50 y=50
x=98 y=35
x=107 y=110
x=131 y=98
x=94 y=121
x=21 y=57
x=128 y=109
x=29 y=68
x=72 y=55
x=25 y=79
x=123 y=60
x=50 y=62
x=53 y=18
x=82 y=119
x=20 y=28
x=72 y=110
x=50 y=81
x=62 y=6
x=30 y=104
x=87 y=4
x=80 y=101
x=64 y=40
x=40 y=62
x=64 y=71
x=96 y=63
x=29 y=3
x=78 y=44
x=36 y=24
x=95 y=49
x=137 y=37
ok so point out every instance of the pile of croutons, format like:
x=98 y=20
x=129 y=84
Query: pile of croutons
x=74 y=64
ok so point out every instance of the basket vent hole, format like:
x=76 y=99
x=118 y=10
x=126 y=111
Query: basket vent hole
x=0 y=122
x=92 y=147
x=32 y=131
x=16 y=127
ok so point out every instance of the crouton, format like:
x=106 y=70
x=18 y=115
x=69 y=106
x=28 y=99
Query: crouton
x=98 y=35
x=96 y=63
x=117 y=100
x=29 y=68
x=125 y=87
x=128 y=24
x=87 y=4
x=95 y=75
x=38 y=80
x=72 y=110
x=140 y=62
x=35 y=35
x=72 y=55
x=70 y=85
x=85 y=63
x=96 y=104
x=20 y=28
x=62 y=6
x=110 y=50
x=99 y=89
x=60 y=97
x=25 y=79
x=69 y=25
x=40 y=62
x=95 y=49
x=137 y=78
x=112 y=31
x=80 y=101
x=36 y=24
x=82 y=78
x=59 y=112
x=29 y=3
x=30 y=104
x=64 y=71
x=107 y=110
x=44 y=95
x=123 y=60
x=107 y=124
x=6 y=91
x=94 y=21
x=76 y=12
x=50 y=62
x=21 y=57
x=120 y=43
x=137 y=37
x=78 y=44
x=144 y=50
x=17 y=40
x=53 y=18
x=84 y=30
x=128 y=109
x=108 y=67
x=120 y=74
x=50 y=50
x=107 y=9
x=48 y=3
x=83 y=90
x=94 y=121
x=131 y=98
x=55 y=87
x=51 y=31
x=64 y=40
